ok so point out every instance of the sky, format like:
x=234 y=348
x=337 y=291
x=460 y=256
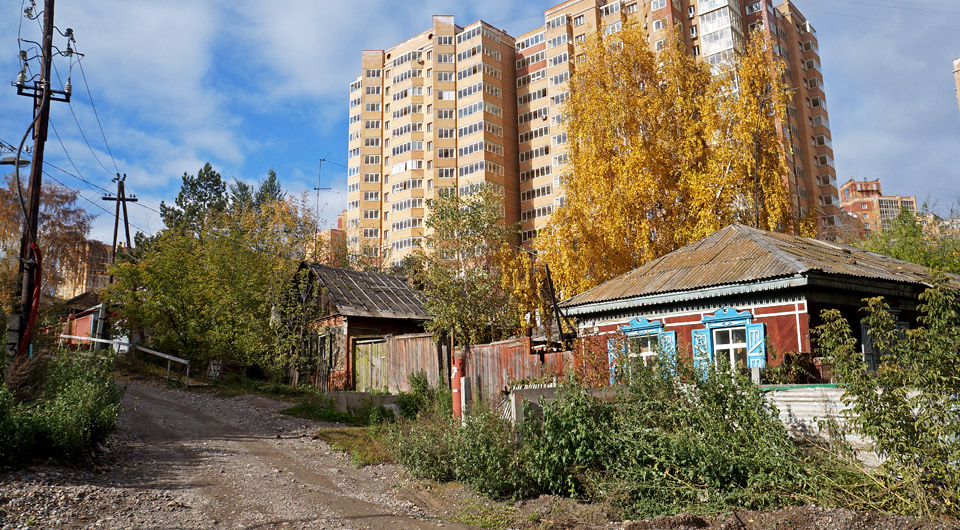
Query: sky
x=251 y=86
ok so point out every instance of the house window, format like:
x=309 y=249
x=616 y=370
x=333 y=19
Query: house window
x=730 y=335
x=730 y=344
x=645 y=347
x=645 y=340
x=578 y=20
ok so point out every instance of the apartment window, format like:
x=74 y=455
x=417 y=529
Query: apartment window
x=371 y=124
x=372 y=107
x=695 y=51
x=444 y=76
x=446 y=152
x=754 y=7
x=578 y=20
x=372 y=90
x=372 y=72
x=658 y=4
x=371 y=233
x=580 y=39
x=444 y=57
x=691 y=11
x=445 y=114
x=659 y=44
x=446 y=95
x=632 y=8
x=445 y=40
x=371 y=159
x=693 y=30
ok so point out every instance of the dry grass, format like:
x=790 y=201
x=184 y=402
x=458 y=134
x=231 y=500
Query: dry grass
x=363 y=444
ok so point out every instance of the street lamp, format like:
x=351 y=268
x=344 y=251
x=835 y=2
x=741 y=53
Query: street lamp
x=14 y=161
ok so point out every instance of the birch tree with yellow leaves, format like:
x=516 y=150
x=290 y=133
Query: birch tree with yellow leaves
x=663 y=152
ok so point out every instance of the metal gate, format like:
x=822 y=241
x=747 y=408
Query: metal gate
x=370 y=364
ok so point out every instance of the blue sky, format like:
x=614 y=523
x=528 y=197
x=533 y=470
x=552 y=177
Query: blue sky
x=250 y=86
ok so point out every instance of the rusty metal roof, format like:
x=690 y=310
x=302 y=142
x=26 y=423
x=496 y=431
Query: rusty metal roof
x=740 y=254
x=368 y=294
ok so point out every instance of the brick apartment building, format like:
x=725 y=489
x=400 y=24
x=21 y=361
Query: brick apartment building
x=455 y=107
x=865 y=200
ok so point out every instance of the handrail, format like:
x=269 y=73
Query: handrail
x=168 y=357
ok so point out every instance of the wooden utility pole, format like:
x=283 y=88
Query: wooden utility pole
x=121 y=199
x=29 y=251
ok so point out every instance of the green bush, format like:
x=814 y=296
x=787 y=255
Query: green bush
x=909 y=407
x=489 y=456
x=426 y=446
x=74 y=410
x=569 y=442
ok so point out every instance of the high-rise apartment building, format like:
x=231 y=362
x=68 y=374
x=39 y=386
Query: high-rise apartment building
x=455 y=107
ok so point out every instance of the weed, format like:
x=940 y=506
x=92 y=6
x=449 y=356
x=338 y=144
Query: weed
x=365 y=445
x=73 y=408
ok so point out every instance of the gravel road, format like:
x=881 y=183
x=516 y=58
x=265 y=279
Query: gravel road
x=183 y=460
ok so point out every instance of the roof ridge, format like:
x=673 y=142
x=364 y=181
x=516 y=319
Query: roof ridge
x=759 y=238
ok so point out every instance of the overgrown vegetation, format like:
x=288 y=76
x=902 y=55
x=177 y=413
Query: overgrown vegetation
x=57 y=407
x=909 y=407
x=660 y=444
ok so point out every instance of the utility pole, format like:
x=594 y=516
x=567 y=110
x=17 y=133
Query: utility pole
x=30 y=255
x=316 y=227
x=121 y=199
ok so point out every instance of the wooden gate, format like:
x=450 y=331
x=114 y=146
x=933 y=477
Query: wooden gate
x=370 y=364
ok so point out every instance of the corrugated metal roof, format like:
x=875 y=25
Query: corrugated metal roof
x=740 y=254
x=368 y=294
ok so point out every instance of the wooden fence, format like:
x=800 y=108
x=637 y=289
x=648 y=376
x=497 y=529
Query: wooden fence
x=493 y=368
x=386 y=363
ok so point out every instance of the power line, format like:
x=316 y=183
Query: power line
x=65 y=172
x=88 y=200
x=83 y=134
x=70 y=159
x=96 y=114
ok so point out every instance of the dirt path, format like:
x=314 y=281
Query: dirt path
x=188 y=460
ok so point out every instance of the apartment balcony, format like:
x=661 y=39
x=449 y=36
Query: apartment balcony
x=820 y=121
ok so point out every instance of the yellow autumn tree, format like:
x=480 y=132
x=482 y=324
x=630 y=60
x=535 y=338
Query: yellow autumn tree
x=663 y=152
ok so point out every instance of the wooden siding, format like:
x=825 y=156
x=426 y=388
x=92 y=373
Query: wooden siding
x=493 y=368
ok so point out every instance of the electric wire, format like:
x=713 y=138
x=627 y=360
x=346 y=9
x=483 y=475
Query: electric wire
x=96 y=114
x=79 y=175
x=58 y=181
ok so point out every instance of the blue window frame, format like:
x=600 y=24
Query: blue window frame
x=732 y=335
x=644 y=339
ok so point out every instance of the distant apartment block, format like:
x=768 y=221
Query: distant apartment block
x=454 y=108
x=90 y=273
x=866 y=201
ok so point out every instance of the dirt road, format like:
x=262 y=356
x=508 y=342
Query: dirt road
x=188 y=460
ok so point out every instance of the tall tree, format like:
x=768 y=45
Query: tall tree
x=461 y=268
x=198 y=195
x=62 y=234
x=662 y=153
x=209 y=291
x=269 y=190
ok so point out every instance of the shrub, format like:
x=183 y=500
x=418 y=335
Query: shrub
x=489 y=455
x=426 y=446
x=569 y=442
x=909 y=407
x=75 y=409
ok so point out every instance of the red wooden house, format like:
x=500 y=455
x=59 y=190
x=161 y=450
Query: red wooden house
x=729 y=295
